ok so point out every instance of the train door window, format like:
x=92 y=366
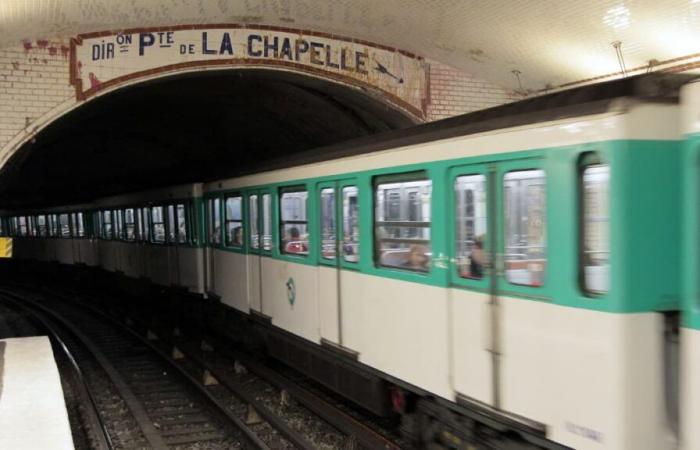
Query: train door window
x=171 y=228
x=31 y=229
x=294 y=230
x=41 y=226
x=158 y=225
x=266 y=222
x=129 y=225
x=470 y=226
x=253 y=225
x=138 y=232
x=146 y=231
x=64 y=225
x=351 y=224
x=215 y=221
x=79 y=224
x=96 y=224
x=234 y=221
x=595 y=227
x=118 y=224
x=525 y=227
x=181 y=219
x=106 y=224
x=53 y=225
x=402 y=222
x=328 y=225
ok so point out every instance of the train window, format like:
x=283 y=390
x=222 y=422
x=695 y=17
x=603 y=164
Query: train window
x=158 y=225
x=266 y=222
x=41 y=226
x=64 y=225
x=171 y=229
x=146 y=230
x=129 y=225
x=402 y=222
x=181 y=217
x=53 y=225
x=351 y=224
x=214 y=221
x=23 y=226
x=234 y=221
x=328 y=227
x=470 y=213
x=525 y=227
x=106 y=222
x=31 y=229
x=294 y=229
x=118 y=223
x=12 y=225
x=595 y=229
x=80 y=224
x=138 y=225
x=254 y=235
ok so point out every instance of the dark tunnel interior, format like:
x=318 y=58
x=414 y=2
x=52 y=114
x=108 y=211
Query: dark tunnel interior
x=196 y=127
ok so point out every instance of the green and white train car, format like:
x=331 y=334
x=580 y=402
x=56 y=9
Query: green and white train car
x=689 y=267
x=571 y=330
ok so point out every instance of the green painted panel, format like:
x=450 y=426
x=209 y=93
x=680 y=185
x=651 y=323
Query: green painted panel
x=690 y=256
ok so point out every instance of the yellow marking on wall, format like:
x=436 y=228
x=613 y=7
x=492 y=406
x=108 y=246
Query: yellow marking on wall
x=5 y=247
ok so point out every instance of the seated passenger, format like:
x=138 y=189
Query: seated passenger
x=237 y=236
x=417 y=258
x=477 y=259
x=293 y=242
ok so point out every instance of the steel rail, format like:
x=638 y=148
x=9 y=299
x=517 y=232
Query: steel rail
x=104 y=440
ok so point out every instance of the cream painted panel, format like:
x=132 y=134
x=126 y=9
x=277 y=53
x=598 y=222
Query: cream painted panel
x=132 y=259
x=64 y=251
x=158 y=264
x=594 y=378
x=87 y=251
x=190 y=267
x=253 y=285
x=328 y=302
x=231 y=272
x=301 y=317
x=471 y=362
x=400 y=328
x=173 y=265
x=690 y=389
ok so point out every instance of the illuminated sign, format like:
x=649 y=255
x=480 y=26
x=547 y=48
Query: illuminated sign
x=101 y=60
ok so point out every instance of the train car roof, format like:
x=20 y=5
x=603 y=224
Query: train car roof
x=576 y=102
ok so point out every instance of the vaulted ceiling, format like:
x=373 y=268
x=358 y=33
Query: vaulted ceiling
x=549 y=42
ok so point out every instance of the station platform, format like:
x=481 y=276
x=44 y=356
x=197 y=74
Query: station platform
x=32 y=410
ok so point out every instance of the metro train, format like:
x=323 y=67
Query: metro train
x=519 y=277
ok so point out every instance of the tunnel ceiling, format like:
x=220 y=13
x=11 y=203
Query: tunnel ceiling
x=189 y=128
x=550 y=42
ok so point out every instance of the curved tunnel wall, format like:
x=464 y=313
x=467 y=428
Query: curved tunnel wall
x=190 y=127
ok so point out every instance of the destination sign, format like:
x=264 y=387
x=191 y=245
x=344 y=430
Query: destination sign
x=101 y=60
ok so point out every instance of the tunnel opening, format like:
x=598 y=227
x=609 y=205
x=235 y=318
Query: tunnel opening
x=190 y=127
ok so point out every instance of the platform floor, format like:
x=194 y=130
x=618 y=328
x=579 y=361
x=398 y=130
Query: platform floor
x=32 y=410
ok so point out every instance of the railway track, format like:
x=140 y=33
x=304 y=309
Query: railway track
x=168 y=406
x=284 y=412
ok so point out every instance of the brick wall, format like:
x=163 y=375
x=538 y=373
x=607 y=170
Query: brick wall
x=454 y=92
x=33 y=80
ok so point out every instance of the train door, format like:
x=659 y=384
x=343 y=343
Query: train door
x=339 y=251
x=499 y=250
x=259 y=243
x=213 y=235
